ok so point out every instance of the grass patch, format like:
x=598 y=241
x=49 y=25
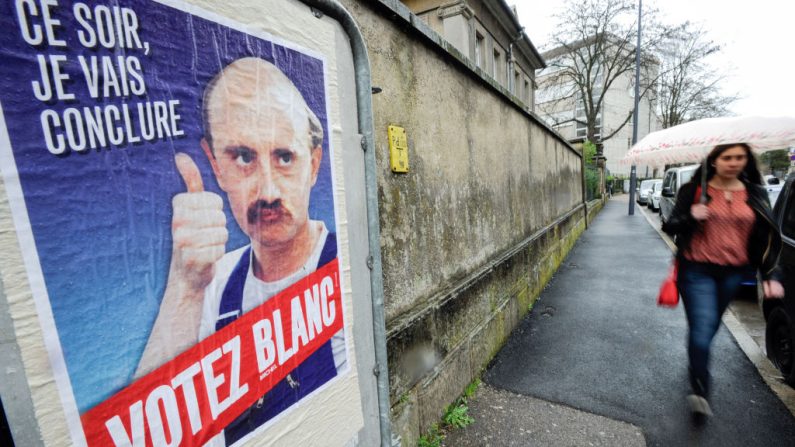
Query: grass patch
x=456 y=415
x=469 y=391
x=530 y=306
x=433 y=438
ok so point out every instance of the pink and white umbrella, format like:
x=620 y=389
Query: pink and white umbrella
x=692 y=141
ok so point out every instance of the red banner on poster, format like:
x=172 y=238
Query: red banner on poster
x=193 y=397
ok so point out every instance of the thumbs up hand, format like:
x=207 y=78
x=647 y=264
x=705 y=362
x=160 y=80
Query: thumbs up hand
x=198 y=229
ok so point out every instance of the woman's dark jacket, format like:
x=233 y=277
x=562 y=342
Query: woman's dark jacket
x=764 y=246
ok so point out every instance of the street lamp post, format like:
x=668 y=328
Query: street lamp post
x=632 y=170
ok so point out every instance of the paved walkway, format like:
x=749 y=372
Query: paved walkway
x=597 y=345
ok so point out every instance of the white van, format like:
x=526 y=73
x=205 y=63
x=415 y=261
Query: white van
x=673 y=179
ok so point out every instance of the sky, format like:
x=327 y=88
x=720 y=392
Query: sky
x=755 y=38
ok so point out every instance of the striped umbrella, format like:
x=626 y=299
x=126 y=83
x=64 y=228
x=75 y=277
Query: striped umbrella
x=692 y=141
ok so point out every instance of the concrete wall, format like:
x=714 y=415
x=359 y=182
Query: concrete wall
x=594 y=206
x=490 y=207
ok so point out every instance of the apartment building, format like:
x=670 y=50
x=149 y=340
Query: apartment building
x=487 y=32
x=559 y=103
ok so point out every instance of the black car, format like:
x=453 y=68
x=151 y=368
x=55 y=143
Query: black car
x=780 y=313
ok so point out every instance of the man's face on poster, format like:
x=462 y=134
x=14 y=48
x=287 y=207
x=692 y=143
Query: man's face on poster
x=262 y=154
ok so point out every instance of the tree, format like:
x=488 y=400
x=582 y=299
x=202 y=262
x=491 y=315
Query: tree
x=593 y=48
x=688 y=87
x=592 y=174
x=775 y=161
x=589 y=152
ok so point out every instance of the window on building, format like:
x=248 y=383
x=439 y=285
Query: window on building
x=582 y=128
x=496 y=66
x=553 y=66
x=526 y=91
x=544 y=94
x=561 y=118
x=517 y=86
x=480 y=49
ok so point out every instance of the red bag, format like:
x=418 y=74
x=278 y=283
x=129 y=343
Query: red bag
x=669 y=293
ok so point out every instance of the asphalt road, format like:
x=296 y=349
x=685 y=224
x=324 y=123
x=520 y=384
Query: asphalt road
x=597 y=342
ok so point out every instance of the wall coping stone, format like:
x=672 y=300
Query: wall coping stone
x=400 y=12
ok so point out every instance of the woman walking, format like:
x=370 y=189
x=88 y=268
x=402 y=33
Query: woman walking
x=718 y=242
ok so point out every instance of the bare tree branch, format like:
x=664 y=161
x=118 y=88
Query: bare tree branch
x=689 y=88
x=594 y=48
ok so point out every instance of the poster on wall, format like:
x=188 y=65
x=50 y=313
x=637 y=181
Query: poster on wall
x=170 y=180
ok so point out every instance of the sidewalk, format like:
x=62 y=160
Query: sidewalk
x=598 y=348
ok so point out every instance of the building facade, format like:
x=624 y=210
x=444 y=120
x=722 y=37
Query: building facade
x=489 y=34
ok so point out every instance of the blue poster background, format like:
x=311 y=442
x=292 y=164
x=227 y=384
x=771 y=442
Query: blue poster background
x=101 y=220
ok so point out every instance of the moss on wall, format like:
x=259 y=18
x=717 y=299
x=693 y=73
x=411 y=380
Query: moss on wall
x=431 y=357
x=491 y=205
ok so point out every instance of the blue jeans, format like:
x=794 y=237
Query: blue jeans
x=706 y=289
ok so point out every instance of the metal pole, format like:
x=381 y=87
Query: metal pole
x=361 y=62
x=632 y=173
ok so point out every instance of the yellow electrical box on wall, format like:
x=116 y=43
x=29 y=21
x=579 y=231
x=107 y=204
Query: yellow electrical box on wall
x=398 y=149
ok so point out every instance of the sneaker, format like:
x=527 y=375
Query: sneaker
x=699 y=405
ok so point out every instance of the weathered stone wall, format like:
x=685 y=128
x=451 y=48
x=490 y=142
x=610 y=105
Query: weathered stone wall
x=490 y=207
x=594 y=206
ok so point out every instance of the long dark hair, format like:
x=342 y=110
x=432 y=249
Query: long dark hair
x=750 y=173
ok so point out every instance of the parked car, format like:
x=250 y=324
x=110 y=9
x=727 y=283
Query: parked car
x=780 y=313
x=772 y=194
x=673 y=179
x=643 y=191
x=770 y=179
x=750 y=288
x=655 y=194
x=773 y=186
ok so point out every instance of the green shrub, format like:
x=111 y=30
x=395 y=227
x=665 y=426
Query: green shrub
x=589 y=152
x=457 y=415
x=591 y=182
x=469 y=391
x=433 y=438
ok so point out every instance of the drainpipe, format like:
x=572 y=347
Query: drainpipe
x=511 y=62
x=361 y=63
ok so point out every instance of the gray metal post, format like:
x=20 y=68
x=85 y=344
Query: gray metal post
x=361 y=62
x=632 y=171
